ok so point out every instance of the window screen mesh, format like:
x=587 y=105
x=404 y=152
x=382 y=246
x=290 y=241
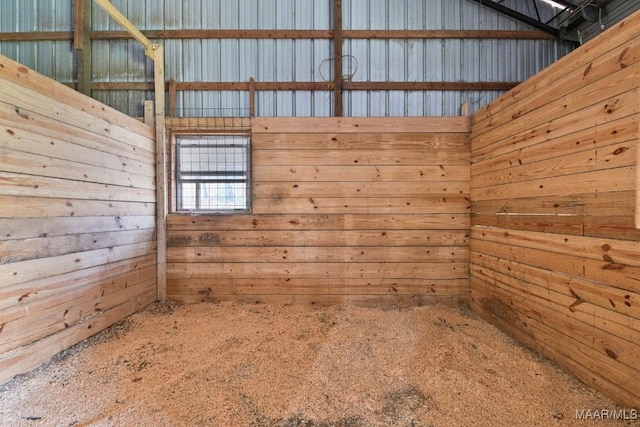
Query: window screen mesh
x=212 y=173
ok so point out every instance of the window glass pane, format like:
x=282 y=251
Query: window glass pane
x=223 y=196
x=188 y=196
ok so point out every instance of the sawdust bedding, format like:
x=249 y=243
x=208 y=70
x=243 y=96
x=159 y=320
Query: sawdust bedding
x=234 y=364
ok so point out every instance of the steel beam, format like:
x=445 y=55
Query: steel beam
x=520 y=17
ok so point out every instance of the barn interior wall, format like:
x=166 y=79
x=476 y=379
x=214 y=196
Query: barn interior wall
x=77 y=190
x=555 y=256
x=532 y=203
x=365 y=211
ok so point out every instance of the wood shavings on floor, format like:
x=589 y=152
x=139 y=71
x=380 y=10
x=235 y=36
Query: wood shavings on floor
x=292 y=365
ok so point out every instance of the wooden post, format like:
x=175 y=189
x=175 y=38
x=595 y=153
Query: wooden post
x=252 y=97
x=161 y=173
x=149 y=118
x=156 y=53
x=172 y=97
x=464 y=109
x=337 y=52
x=82 y=43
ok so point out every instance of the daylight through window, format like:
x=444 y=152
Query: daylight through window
x=212 y=173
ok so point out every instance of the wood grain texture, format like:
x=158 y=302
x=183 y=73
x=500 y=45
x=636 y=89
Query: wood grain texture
x=78 y=244
x=39 y=207
x=574 y=65
x=591 y=325
x=320 y=286
x=303 y=222
x=373 y=211
x=18 y=80
x=553 y=250
x=371 y=205
x=21 y=295
x=360 y=140
x=317 y=254
x=388 y=302
x=508 y=313
x=181 y=34
x=313 y=157
x=637 y=216
x=30 y=357
x=285 y=125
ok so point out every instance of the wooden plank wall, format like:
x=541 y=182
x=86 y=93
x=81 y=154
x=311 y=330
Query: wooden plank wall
x=77 y=224
x=555 y=257
x=364 y=211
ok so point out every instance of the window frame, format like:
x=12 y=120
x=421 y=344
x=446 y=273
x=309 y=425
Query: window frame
x=178 y=180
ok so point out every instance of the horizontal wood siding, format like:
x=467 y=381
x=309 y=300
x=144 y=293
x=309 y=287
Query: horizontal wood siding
x=365 y=211
x=77 y=223
x=555 y=255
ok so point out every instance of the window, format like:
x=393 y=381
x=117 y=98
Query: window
x=212 y=173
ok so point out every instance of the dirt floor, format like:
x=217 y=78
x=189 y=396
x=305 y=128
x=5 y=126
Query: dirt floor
x=286 y=365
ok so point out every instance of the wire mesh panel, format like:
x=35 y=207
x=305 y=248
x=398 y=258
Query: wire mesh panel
x=212 y=173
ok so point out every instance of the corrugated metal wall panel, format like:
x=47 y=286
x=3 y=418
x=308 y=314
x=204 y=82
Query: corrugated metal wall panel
x=54 y=59
x=438 y=60
x=290 y=60
x=153 y=13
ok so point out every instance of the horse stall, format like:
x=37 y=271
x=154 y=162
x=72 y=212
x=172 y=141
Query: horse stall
x=554 y=185
x=78 y=217
x=414 y=271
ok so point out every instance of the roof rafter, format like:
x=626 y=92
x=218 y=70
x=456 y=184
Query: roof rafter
x=521 y=17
